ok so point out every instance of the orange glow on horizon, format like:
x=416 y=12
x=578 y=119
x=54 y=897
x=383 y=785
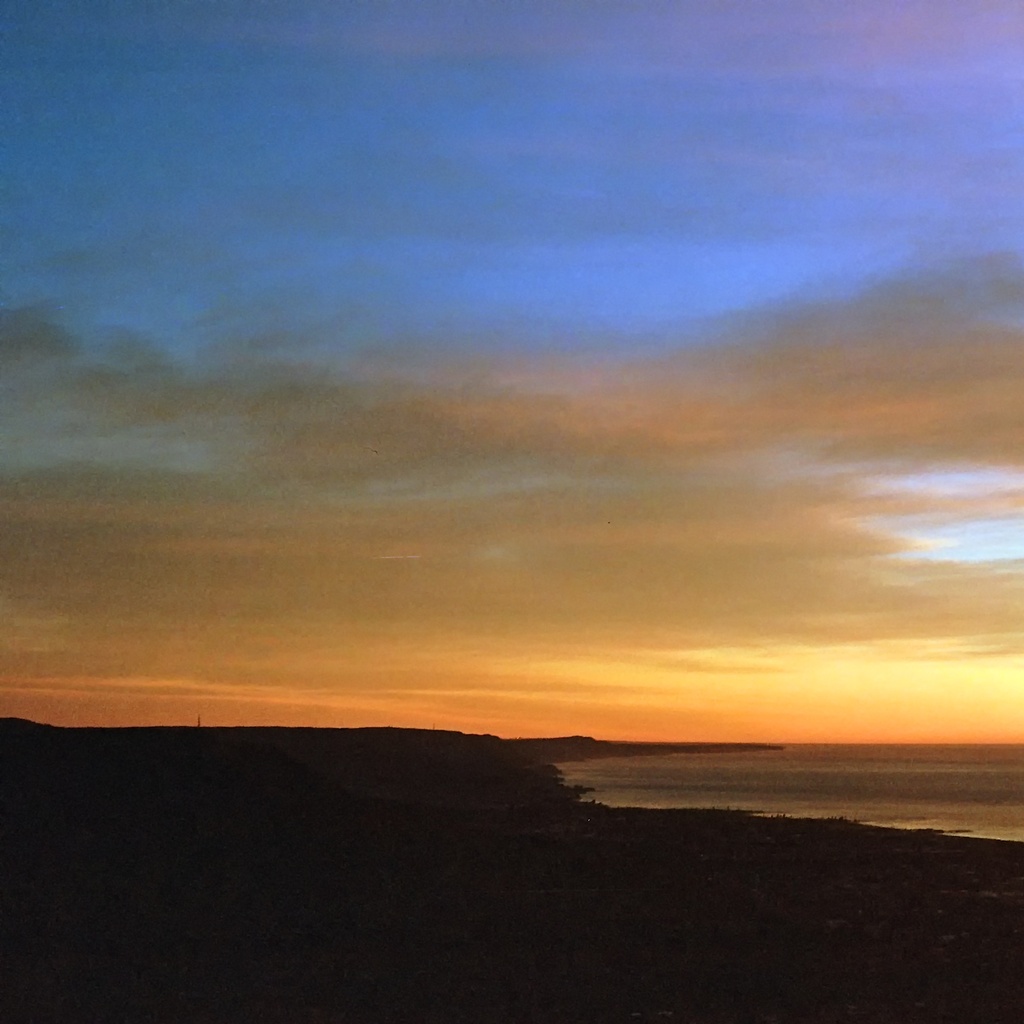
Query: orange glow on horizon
x=872 y=696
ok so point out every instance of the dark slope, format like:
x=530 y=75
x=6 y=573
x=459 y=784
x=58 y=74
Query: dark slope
x=146 y=870
x=170 y=875
x=423 y=766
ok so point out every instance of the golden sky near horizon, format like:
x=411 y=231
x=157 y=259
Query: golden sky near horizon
x=648 y=371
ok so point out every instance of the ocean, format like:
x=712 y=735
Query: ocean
x=974 y=790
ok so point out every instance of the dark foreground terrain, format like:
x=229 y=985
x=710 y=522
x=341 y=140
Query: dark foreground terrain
x=299 y=876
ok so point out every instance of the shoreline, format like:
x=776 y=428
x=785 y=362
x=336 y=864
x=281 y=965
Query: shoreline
x=304 y=877
x=832 y=783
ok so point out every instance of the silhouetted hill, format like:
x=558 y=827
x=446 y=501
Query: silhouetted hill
x=155 y=876
x=174 y=874
x=424 y=766
x=12 y=726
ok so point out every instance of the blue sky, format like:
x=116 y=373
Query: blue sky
x=513 y=175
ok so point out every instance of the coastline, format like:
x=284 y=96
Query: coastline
x=210 y=876
x=972 y=790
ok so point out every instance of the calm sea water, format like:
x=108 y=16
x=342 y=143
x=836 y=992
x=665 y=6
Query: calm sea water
x=975 y=790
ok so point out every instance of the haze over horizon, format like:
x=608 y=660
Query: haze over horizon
x=640 y=370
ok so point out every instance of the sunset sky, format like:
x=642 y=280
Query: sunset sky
x=635 y=368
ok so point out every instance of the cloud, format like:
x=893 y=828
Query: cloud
x=750 y=494
x=920 y=369
x=29 y=337
x=25 y=630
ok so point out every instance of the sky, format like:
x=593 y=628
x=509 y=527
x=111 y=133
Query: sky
x=642 y=369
